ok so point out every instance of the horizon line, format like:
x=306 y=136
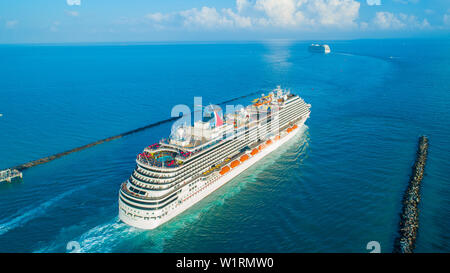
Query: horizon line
x=225 y=41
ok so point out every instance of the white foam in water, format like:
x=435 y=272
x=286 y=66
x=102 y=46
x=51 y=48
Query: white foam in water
x=32 y=213
x=103 y=238
x=108 y=236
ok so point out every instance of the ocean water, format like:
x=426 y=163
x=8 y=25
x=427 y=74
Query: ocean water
x=333 y=188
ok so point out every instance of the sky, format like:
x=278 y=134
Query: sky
x=78 y=21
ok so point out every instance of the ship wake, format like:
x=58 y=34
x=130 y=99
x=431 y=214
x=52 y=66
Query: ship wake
x=32 y=212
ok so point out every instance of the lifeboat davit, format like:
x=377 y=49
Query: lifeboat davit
x=244 y=157
x=235 y=163
x=254 y=151
x=224 y=170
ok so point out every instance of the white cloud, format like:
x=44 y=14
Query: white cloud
x=364 y=25
x=307 y=14
x=11 y=23
x=73 y=2
x=72 y=13
x=424 y=24
x=158 y=17
x=279 y=12
x=54 y=26
x=387 y=20
x=446 y=19
x=338 y=13
x=298 y=15
x=238 y=21
x=289 y=14
x=413 y=22
x=406 y=1
x=241 y=5
x=373 y=2
x=205 y=17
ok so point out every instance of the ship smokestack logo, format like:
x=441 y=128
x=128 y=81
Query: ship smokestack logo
x=218 y=119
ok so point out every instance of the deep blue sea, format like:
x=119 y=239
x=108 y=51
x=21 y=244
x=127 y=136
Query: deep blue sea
x=333 y=188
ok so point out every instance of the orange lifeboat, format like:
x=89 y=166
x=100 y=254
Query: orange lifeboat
x=289 y=130
x=254 y=151
x=262 y=146
x=268 y=142
x=277 y=138
x=235 y=163
x=244 y=157
x=224 y=170
x=295 y=126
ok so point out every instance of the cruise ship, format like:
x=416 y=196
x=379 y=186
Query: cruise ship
x=320 y=48
x=172 y=175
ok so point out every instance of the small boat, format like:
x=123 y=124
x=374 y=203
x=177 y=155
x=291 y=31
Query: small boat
x=235 y=163
x=244 y=157
x=9 y=174
x=224 y=170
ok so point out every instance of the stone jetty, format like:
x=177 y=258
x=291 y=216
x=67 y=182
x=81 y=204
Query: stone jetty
x=409 y=219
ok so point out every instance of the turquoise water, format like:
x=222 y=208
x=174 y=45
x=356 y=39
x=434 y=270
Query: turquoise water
x=333 y=188
x=164 y=158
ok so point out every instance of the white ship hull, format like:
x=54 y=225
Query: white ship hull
x=208 y=188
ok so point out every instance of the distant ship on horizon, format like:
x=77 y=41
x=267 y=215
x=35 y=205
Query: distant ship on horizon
x=318 y=48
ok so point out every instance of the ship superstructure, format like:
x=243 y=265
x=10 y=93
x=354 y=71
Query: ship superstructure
x=172 y=175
